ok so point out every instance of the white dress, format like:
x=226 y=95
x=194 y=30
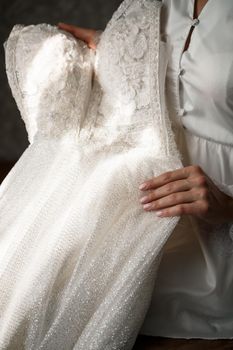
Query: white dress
x=194 y=294
x=78 y=254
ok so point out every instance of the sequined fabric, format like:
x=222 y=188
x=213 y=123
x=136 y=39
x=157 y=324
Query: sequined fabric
x=78 y=254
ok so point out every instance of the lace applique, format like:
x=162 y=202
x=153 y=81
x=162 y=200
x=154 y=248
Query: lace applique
x=122 y=70
x=52 y=79
x=127 y=66
x=50 y=74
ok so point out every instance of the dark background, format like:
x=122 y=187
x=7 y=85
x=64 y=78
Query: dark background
x=86 y=13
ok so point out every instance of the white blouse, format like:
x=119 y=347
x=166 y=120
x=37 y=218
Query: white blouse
x=193 y=296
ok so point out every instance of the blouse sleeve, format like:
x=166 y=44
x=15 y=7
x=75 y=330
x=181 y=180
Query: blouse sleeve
x=216 y=159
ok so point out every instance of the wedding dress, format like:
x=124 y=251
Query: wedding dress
x=78 y=254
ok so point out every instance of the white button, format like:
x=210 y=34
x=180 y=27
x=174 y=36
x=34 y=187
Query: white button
x=181 y=112
x=195 y=22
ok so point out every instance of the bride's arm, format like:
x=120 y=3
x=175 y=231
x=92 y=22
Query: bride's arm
x=90 y=36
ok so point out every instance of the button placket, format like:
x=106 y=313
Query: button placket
x=181 y=112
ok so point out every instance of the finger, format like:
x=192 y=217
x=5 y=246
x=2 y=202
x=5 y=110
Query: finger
x=178 y=174
x=165 y=178
x=172 y=187
x=84 y=34
x=68 y=27
x=79 y=32
x=198 y=208
x=171 y=200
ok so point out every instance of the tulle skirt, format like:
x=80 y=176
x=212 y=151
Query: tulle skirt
x=78 y=254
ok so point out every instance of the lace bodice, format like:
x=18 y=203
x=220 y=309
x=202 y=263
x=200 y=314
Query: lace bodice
x=50 y=76
x=110 y=97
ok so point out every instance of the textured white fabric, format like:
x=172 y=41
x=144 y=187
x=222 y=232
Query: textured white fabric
x=78 y=254
x=193 y=297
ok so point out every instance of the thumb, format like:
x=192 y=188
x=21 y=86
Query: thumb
x=79 y=32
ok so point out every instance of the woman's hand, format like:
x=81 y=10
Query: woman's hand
x=87 y=35
x=187 y=191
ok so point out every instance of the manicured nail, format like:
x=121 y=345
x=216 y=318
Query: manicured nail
x=147 y=206
x=159 y=213
x=143 y=199
x=142 y=186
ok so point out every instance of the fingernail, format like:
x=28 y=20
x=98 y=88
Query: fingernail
x=159 y=213
x=143 y=199
x=142 y=186
x=147 y=206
